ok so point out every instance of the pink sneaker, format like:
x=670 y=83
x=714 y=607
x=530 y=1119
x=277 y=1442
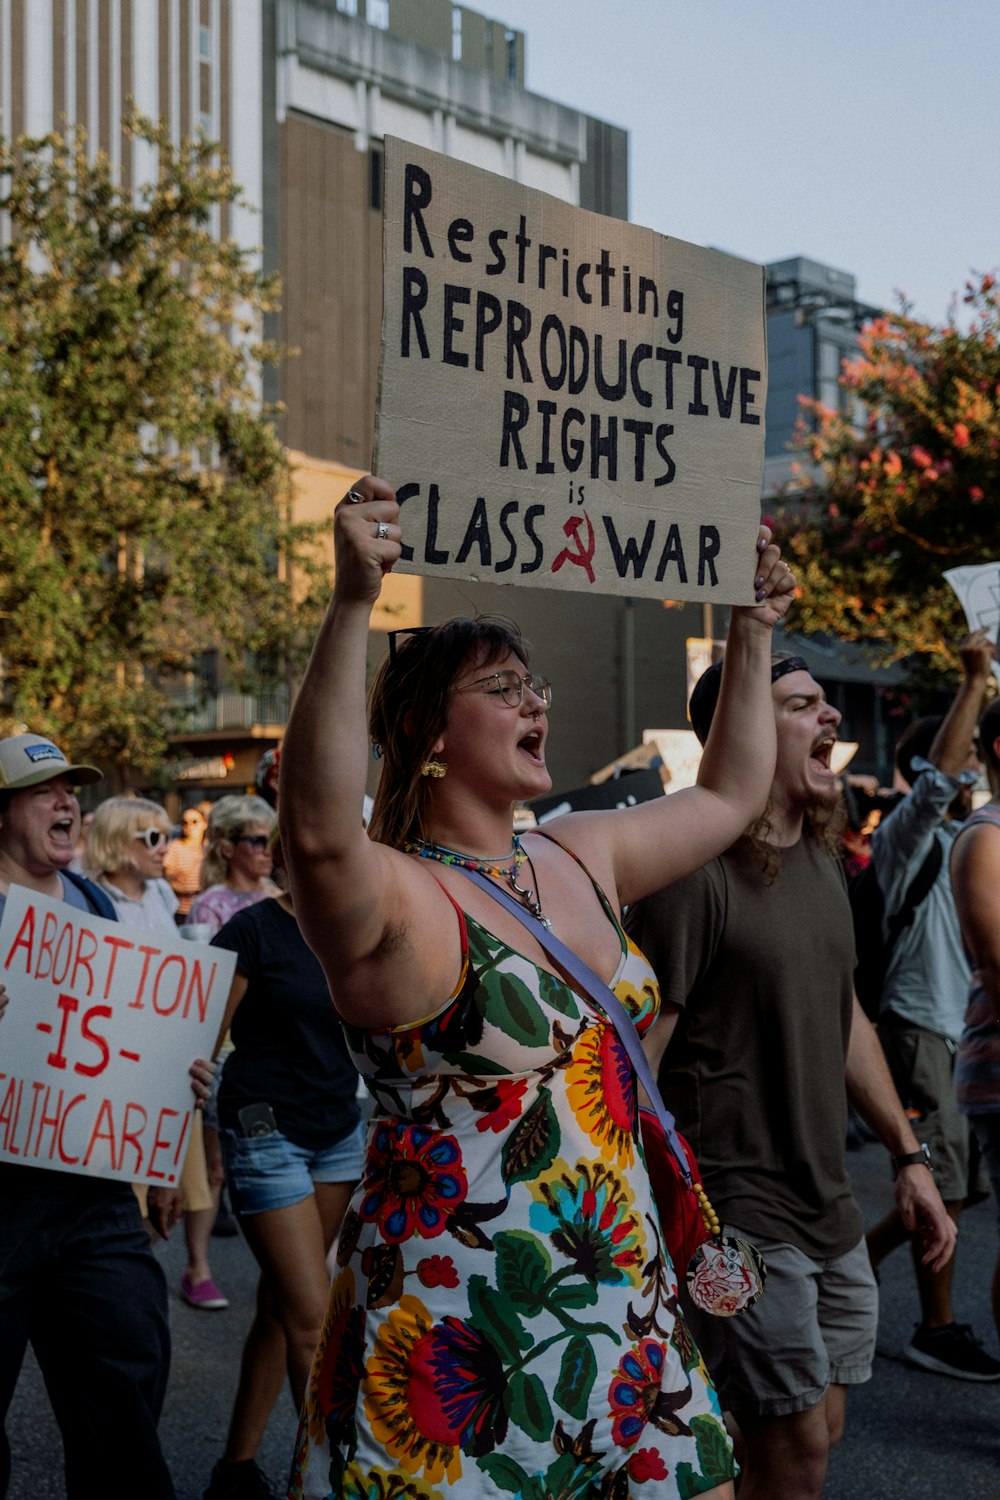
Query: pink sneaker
x=204 y=1294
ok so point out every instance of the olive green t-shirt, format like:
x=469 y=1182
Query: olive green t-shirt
x=755 y=1070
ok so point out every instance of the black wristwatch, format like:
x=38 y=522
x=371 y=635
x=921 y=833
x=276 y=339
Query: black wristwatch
x=921 y=1158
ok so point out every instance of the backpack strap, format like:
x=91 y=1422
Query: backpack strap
x=100 y=904
x=916 y=892
x=604 y=1000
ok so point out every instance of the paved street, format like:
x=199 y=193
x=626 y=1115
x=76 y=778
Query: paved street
x=910 y=1436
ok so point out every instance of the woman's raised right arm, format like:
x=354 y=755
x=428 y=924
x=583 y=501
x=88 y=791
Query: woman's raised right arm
x=339 y=877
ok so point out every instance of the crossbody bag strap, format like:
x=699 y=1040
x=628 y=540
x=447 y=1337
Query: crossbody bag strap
x=605 y=1000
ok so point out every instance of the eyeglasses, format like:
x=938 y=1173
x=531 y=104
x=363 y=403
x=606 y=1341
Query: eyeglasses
x=153 y=837
x=510 y=686
x=256 y=841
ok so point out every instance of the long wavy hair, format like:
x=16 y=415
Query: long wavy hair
x=823 y=822
x=408 y=710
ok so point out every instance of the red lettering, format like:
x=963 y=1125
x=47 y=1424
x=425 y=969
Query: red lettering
x=197 y=982
x=70 y=1161
x=67 y=1004
x=91 y=1070
x=82 y=959
x=9 y=1112
x=49 y=924
x=172 y=958
x=36 y=1088
x=150 y=953
x=63 y=954
x=25 y=939
x=47 y=1121
x=180 y=1143
x=160 y=1143
x=114 y=943
x=130 y=1136
x=104 y=1119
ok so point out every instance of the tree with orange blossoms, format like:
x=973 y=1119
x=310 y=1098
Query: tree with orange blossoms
x=901 y=484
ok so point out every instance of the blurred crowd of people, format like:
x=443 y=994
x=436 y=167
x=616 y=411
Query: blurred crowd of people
x=491 y=1234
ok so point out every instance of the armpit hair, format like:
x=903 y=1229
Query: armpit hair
x=395 y=939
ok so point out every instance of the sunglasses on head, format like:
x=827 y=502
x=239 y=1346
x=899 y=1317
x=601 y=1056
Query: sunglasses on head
x=394 y=635
x=153 y=837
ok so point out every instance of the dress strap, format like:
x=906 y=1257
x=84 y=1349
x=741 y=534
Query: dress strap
x=463 y=934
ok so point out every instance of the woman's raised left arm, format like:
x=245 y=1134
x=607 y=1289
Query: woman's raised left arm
x=637 y=850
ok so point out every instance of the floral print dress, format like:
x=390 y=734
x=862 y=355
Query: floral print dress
x=504 y=1318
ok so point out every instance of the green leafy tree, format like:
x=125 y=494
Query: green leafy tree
x=145 y=501
x=901 y=484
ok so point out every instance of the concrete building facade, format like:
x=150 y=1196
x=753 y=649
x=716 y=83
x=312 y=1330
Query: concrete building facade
x=300 y=94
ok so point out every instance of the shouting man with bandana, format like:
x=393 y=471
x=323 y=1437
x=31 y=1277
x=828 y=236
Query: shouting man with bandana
x=755 y=955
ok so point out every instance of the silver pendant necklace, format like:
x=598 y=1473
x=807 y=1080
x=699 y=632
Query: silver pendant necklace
x=525 y=894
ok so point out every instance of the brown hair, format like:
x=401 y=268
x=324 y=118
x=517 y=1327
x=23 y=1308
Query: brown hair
x=823 y=822
x=409 y=709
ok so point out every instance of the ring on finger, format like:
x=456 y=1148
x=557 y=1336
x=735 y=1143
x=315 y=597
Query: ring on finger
x=382 y=531
x=355 y=497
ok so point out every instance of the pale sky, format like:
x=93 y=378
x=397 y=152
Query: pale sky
x=864 y=134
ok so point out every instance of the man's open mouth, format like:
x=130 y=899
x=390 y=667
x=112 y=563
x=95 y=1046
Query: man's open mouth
x=823 y=749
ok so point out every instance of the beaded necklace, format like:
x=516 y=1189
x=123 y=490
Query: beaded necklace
x=496 y=869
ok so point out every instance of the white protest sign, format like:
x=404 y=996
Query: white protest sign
x=978 y=590
x=102 y=1025
x=566 y=401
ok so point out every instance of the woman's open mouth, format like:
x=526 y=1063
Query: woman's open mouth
x=533 y=745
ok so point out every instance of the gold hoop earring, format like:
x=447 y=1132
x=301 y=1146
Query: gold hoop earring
x=434 y=768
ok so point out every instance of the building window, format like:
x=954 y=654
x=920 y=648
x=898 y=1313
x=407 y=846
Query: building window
x=205 y=43
x=347 y=7
x=375 y=179
x=510 y=39
x=377 y=14
x=456 y=33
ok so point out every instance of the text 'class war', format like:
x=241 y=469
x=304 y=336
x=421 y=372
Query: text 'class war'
x=502 y=539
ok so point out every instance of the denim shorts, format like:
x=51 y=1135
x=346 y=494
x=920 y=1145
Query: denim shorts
x=270 y=1171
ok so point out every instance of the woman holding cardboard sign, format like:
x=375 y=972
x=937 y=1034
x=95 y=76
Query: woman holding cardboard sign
x=504 y=1313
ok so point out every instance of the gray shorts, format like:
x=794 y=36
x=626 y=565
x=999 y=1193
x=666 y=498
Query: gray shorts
x=814 y=1327
x=922 y=1065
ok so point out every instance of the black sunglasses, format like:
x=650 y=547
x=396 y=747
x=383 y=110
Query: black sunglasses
x=413 y=630
x=255 y=840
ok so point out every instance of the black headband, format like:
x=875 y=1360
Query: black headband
x=785 y=665
x=706 y=691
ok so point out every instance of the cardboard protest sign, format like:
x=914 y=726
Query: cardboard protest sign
x=102 y=1025
x=978 y=590
x=619 y=791
x=566 y=401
